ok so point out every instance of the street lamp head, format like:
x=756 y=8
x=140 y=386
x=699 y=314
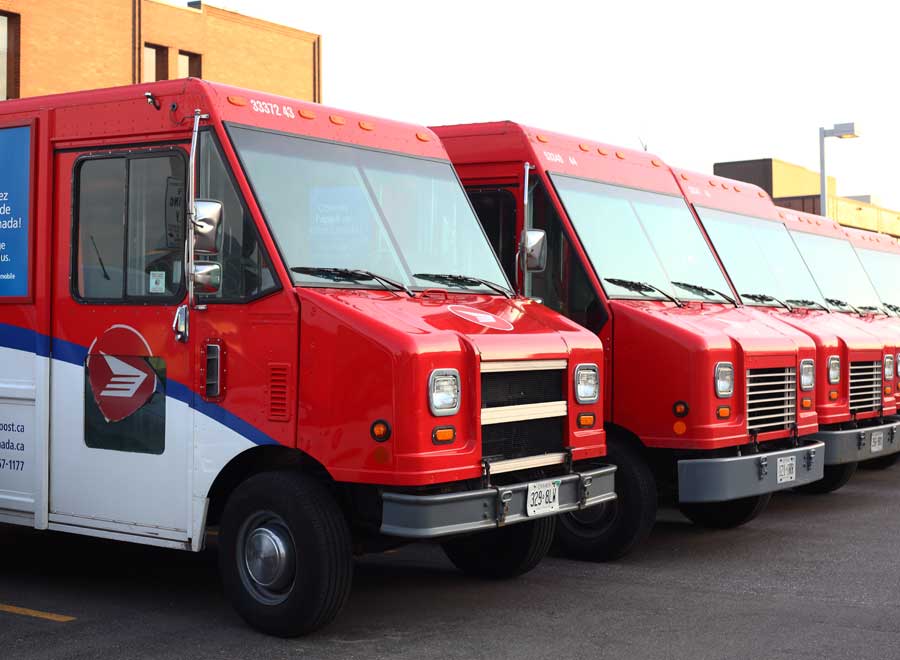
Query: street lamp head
x=843 y=131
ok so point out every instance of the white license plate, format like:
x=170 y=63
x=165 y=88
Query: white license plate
x=543 y=497
x=877 y=442
x=787 y=469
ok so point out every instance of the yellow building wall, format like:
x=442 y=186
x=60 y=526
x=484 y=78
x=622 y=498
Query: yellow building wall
x=87 y=44
x=789 y=180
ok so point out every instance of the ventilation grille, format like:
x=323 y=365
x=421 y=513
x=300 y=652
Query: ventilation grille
x=525 y=438
x=771 y=399
x=865 y=386
x=279 y=387
x=516 y=388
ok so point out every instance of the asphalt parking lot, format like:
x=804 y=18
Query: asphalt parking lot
x=814 y=577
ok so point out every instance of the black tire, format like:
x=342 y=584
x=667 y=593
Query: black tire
x=881 y=463
x=502 y=553
x=725 y=515
x=313 y=582
x=613 y=529
x=836 y=476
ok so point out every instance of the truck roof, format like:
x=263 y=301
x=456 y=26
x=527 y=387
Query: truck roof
x=125 y=112
x=871 y=240
x=556 y=152
x=725 y=194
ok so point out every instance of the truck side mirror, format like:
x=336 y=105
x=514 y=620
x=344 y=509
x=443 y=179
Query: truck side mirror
x=207 y=225
x=207 y=276
x=534 y=249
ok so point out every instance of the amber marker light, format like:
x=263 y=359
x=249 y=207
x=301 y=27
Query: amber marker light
x=833 y=395
x=586 y=420
x=380 y=430
x=423 y=137
x=679 y=428
x=680 y=409
x=805 y=403
x=337 y=120
x=367 y=125
x=237 y=100
x=888 y=389
x=442 y=435
x=306 y=114
x=723 y=412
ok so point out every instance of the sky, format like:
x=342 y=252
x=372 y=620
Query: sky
x=697 y=81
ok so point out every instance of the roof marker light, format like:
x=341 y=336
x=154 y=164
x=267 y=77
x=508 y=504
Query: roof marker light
x=306 y=114
x=542 y=138
x=684 y=176
x=655 y=162
x=237 y=100
x=737 y=189
x=367 y=125
x=602 y=151
x=337 y=120
x=423 y=137
x=761 y=193
x=724 y=186
x=712 y=183
x=620 y=155
x=584 y=147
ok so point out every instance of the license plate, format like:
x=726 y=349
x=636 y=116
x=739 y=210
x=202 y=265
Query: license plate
x=543 y=497
x=787 y=469
x=877 y=442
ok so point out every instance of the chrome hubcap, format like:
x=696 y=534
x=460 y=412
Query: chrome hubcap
x=267 y=559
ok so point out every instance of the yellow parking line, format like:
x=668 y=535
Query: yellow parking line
x=49 y=616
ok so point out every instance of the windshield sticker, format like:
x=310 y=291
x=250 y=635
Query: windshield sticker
x=340 y=225
x=480 y=317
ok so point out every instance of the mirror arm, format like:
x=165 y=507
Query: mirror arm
x=192 y=210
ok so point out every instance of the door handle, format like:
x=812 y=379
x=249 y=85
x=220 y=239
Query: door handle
x=180 y=324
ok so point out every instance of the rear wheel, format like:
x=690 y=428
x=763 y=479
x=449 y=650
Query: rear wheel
x=880 y=463
x=611 y=530
x=836 y=476
x=502 y=553
x=725 y=515
x=285 y=553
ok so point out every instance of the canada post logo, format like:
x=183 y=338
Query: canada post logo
x=121 y=380
x=480 y=317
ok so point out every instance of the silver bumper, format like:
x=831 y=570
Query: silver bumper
x=855 y=445
x=430 y=516
x=721 y=479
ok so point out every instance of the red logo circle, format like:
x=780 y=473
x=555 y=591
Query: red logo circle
x=121 y=380
x=485 y=319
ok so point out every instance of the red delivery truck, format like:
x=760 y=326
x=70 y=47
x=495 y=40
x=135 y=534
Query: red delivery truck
x=704 y=399
x=224 y=308
x=802 y=271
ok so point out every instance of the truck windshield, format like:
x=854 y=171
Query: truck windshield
x=639 y=241
x=334 y=208
x=837 y=270
x=762 y=260
x=883 y=268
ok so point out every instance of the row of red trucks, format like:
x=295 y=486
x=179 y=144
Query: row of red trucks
x=322 y=334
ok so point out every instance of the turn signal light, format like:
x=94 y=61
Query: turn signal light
x=833 y=395
x=680 y=409
x=442 y=435
x=888 y=389
x=380 y=430
x=806 y=404
x=586 y=420
x=723 y=412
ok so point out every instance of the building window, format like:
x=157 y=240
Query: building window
x=189 y=65
x=156 y=63
x=9 y=56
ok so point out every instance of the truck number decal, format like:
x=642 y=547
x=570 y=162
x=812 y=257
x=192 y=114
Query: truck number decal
x=267 y=108
x=552 y=157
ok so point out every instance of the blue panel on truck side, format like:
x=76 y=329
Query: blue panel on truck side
x=15 y=173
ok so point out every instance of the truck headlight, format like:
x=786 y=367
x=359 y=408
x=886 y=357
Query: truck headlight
x=834 y=370
x=724 y=380
x=807 y=374
x=889 y=367
x=587 y=383
x=443 y=392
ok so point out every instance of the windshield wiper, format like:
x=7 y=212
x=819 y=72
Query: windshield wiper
x=893 y=308
x=704 y=291
x=352 y=275
x=803 y=302
x=872 y=308
x=841 y=303
x=464 y=280
x=764 y=297
x=642 y=287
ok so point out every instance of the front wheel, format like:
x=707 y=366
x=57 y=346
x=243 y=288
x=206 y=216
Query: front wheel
x=725 y=515
x=502 y=553
x=285 y=553
x=612 y=529
x=836 y=476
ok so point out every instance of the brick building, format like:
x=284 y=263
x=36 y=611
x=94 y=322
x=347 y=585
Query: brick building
x=50 y=46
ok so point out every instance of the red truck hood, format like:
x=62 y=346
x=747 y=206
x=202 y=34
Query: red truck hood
x=496 y=327
x=830 y=330
x=722 y=326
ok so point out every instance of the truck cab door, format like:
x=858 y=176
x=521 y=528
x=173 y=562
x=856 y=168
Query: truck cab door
x=121 y=440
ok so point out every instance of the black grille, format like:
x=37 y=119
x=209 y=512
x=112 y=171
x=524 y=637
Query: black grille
x=516 y=388
x=526 y=438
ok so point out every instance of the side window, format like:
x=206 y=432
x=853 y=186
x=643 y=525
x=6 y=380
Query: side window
x=496 y=210
x=564 y=285
x=129 y=227
x=246 y=269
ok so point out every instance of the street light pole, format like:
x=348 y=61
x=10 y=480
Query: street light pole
x=842 y=131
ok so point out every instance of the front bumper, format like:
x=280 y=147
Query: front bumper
x=733 y=477
x=431 y=516
x=852 y=445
